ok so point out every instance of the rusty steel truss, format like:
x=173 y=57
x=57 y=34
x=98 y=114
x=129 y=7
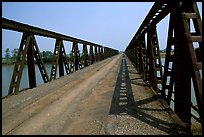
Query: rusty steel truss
x=182 y=64
x=29 y=51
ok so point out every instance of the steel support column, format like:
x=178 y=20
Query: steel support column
x=142 y=61
x=60 y=62
x=64 y=58
x=31 y=65
x=96 y=54
x=85 y=55
x=91 y=54
x=55 y=59
x=167 y=87
x=155 y=69
x=18 y=68
x=75 y=53
x=102 y=53
x=187 y=11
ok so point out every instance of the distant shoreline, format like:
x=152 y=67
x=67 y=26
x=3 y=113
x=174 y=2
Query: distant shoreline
x=8 y=62
x=13 y=61
x=162 y=54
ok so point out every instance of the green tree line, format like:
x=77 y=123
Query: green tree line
x=10 y=56
x=47 y=56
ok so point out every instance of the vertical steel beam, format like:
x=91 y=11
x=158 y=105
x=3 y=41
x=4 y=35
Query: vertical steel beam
x=60 y=62
x=108 y=52
x=105 y=53
x=85 y=55
x=133 y=52
x=75 y=51
x=18 y=68
x=59 y=59
x=144 y=54
x=148 y=62
x=191 y=12
x=139 y=55
x=137 y=58
x=31 y=65
x=64 y=58
x=99 y=53
x=96 y=54
x=91 y=54
x=187 y=11
x=72 y=59
x=167 y=88
x=154 y=59
x=39 y=61
x=182 y=78
x=102 y=53
x=142 y=57
x=55 y=59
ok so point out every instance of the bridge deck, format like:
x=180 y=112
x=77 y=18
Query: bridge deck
x=108 y=97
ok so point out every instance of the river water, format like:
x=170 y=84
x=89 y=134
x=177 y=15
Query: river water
x=7 y=72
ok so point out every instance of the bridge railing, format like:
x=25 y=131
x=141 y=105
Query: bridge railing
x=30 y=53
x=182 y=64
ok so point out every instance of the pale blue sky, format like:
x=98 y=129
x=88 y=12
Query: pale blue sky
x=112 y=24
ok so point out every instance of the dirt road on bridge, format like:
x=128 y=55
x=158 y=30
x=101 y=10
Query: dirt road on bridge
x=74 y=104
x=107 y=97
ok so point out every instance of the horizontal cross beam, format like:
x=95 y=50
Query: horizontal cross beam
x=20 y=27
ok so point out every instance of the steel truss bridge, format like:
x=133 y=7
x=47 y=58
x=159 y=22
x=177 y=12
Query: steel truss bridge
x=173 y=84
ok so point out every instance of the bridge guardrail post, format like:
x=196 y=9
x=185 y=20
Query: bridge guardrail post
x=91 y=54
x=85 y=55
x=31 y=64
x=75 y=54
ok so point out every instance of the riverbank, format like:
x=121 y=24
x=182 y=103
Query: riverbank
x=8 y=61
x=162 y=54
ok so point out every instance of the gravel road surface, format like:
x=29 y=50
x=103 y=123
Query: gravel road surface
x=108 y=97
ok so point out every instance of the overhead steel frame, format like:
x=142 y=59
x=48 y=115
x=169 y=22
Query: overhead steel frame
x=182 y=64
x=29 y=52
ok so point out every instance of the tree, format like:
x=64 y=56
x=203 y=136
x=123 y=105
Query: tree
x=7 y=55
x=14 y=53
x=71 y=55
x=47 y=56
